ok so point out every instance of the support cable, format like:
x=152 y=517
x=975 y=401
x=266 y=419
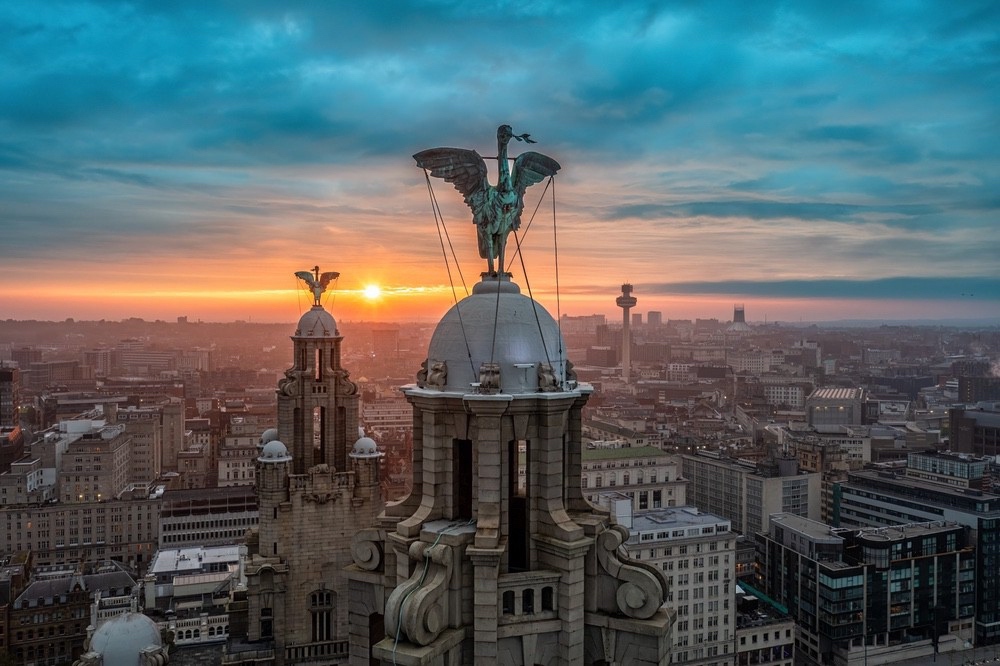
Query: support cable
x=439 y=221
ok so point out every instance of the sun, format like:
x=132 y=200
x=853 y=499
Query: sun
x=372 y=292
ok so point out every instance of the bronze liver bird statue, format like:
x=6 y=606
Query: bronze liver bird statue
x=496 y=209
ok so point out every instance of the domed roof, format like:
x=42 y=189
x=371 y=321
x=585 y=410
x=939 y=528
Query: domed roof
x=365 y=447
x=317 y=323
x=268 y=435
x=274 y=452
x=500 y=325
x=121 y=639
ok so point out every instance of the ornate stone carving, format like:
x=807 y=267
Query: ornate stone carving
x=366 y=549
x=344 y=385
x=547 y=381
x=570 y=372
x=433 y=374
x=418 y=608
x=322 y=497
x=639 y=589
x=489 y=378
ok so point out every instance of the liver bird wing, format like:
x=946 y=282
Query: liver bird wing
x=306 y=277
x=530 y=168
x=326 y=278
x=463 y=168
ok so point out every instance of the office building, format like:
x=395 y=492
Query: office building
x=884 y=594
x=648 y=476
x=748 y=493
x=697 y=553
x=874 y=498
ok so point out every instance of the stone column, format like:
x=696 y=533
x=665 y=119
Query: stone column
x=485 y=567
x=488 y=410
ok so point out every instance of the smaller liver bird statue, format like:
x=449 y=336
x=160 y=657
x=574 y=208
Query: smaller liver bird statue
x=317 y=283
x=496 y=209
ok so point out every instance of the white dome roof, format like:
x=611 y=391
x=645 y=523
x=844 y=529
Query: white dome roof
x=121 y=639
x=317 y=323
x=497 y=323
x=274 y=451
x=268 y=435
x=365 y=447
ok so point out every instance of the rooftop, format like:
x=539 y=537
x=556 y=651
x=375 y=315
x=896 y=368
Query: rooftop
x=624 y=452
x=836 y=393
x=677 y=517
x=194 y=558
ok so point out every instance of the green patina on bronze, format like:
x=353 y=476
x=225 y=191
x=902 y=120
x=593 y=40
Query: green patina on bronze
x=496 y=209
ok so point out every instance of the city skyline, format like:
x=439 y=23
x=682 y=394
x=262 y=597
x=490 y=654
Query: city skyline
x=812 y=163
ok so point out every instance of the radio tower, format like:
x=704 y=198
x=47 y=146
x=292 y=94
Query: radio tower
x=626 y=302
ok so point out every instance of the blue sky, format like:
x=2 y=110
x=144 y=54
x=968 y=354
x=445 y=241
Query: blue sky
x=800 y=151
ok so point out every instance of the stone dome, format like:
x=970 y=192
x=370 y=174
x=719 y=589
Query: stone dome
x=365 y=447
x=525 y=338
x=268 y=435
x=274 y=452
x=121 y=639
x=316 y=323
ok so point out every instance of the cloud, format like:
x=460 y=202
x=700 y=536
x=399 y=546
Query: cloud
x=979 y=288
x=825 y=141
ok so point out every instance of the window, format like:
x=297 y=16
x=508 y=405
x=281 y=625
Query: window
x=266 y=623
x=528 y=601
x=321 y=609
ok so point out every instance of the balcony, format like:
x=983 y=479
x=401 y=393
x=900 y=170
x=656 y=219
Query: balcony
x=321 y=652
x=527 y=597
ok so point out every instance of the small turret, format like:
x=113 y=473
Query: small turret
x=365 y=459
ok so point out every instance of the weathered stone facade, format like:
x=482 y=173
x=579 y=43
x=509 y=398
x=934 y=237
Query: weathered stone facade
x=496 y=556
x=314 y=494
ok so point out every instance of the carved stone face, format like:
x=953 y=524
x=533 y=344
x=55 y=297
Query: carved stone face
x=504 y=133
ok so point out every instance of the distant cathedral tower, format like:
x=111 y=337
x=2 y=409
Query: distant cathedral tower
x=496 y=557
x=317 y=485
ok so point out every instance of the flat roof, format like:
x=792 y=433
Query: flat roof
x=624 y=452
x=195 y=558
x=921 y=484
x=674 y=517
x=811 y=528
x=834 y=393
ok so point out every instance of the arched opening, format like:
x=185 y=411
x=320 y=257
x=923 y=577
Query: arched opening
x=508 y=602
x=547 y=599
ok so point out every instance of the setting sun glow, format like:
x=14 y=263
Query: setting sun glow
x=372 y=292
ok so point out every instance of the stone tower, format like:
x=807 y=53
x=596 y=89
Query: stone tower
x=495 y=556
x=314 y=494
